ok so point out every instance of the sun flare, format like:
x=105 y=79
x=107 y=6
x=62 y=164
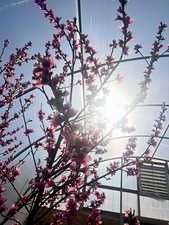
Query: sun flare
x=114 y=107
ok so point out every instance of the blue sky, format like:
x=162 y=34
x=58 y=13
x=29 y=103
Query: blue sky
x=21 y=20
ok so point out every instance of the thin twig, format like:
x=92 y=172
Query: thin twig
x=29 y=140
x=161 y=138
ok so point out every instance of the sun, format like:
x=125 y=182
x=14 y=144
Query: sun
x=115 y=105
x=113 y=108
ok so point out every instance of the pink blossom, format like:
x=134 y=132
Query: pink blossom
x=2 y=188
x=23 y=197
x=28 y=131
x=137 y=47
x=73 y=165
x=55 y=120
x=12 y=210
x=16 y=172
x=88 y=173
x=68 y=111
x=41 y=114
x=119 y=79
x=37 y=76
x=1 y=90
x=86 y=160
x=63 y=179
x=48 y=62
x=49 y=183
x=6 y=43
x=132 y=171
x=129 y=20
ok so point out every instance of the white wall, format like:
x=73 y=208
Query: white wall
x=149 y=207
x=154 y=208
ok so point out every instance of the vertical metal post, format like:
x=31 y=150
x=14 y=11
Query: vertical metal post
x=138 y=194
x=121 y=193
x=79 y=15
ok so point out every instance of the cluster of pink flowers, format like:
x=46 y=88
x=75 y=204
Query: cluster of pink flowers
x=8 y=173
x=41 y=115
x=137 y=48
x=155 y=51
x=131 y=171
x=12 y=86
x=130 y=148
x=42 y=180
x=95 y=215
x=126 y=21
x=113 y=167
x=157 y=128
x=129 y=218
x=42 y=73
